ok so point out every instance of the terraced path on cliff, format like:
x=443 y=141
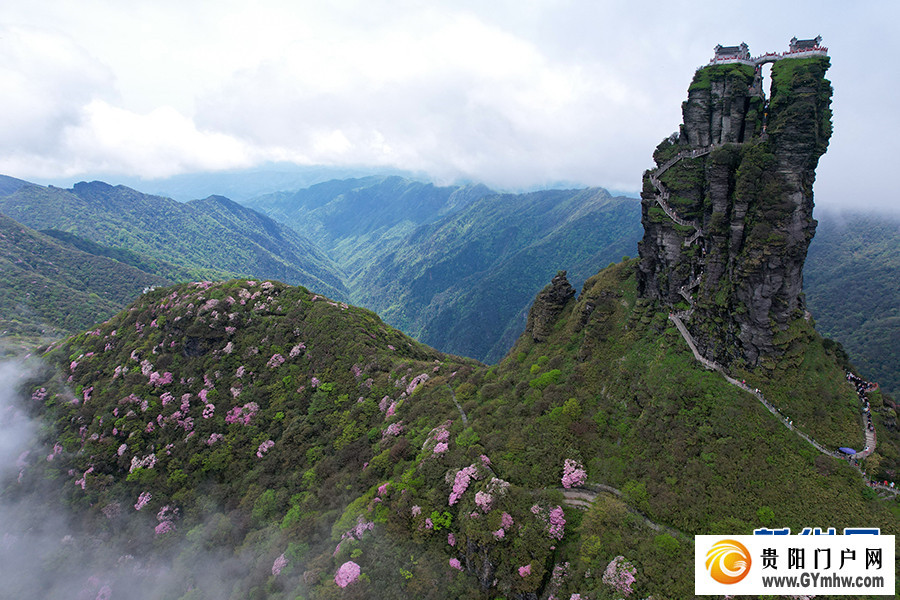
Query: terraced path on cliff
x=662 y=195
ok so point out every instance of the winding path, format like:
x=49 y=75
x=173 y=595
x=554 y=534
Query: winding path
x=583 y=497
x=462 y=414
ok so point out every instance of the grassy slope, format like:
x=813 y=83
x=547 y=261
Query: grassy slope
x=614 y=387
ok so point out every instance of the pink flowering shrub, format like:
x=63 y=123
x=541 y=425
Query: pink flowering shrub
x=557 y=524
x=347 y=574
x=454 y=562
x=506 y=520
x=157 y=379
x=264 y=447
x=440 y=447
x=164 y=527
x=416 y=510
x=574 y=474
x=393 y=430
x=620 y=575
x=525 y=571
x=279 y=564
x=208 y=411
x=417 y=380
x=296 y=350
x=484 y=501
x=276 y=361
x=461 y=483
x=143 y=499
x=499 y=534
x=451 y=539
x=242 y=414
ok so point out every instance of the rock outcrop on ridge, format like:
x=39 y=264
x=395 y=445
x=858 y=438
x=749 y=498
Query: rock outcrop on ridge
x=727 y=213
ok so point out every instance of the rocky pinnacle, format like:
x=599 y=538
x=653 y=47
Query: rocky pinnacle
x=727 y=212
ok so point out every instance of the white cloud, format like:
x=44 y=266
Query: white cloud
x=511 y=93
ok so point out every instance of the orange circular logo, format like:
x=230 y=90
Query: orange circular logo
x=728 y=561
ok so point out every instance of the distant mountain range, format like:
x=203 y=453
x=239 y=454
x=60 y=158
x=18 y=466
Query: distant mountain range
x=51 y=287
x=454 y=266
x=213 y=238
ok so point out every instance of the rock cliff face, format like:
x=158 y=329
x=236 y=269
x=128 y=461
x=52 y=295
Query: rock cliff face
x=547 y=306
x=727 y=213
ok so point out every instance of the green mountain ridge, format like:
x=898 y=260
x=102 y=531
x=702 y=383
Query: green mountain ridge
x=51 y=288
x=213 y=238
x=852 y=283
x=456 y=266
x=340 y=459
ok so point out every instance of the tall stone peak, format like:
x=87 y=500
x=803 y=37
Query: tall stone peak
x=727 y=211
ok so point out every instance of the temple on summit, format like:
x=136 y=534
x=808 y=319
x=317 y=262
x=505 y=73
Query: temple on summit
x=741 y=54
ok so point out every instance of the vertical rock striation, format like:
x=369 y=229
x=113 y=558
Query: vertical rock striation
x=727 y=213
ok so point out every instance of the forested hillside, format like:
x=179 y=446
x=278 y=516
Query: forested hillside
x=49 y=288
x=852 y=283
x=212 y=238
x=261 y=441
x=457 y=266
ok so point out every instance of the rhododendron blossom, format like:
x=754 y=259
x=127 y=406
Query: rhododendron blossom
x=143 y=499
x=557 y=523
x=484 y=501
x=499 y=534
x=264 y=447
x=620 y=575
x=347 y=574
x=506 y=520
x=393 y=430
x=440 y=447
x=416 y=510
x=461 y=483
x=278 y=565
x=525 y=571
x=276 y=361
x=164 y=527
x=574 y=474
x=242 y=414
x=451 y=539
x=417 y=380
x=454 y=562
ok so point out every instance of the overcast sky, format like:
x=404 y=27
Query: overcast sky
x=515 y=93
